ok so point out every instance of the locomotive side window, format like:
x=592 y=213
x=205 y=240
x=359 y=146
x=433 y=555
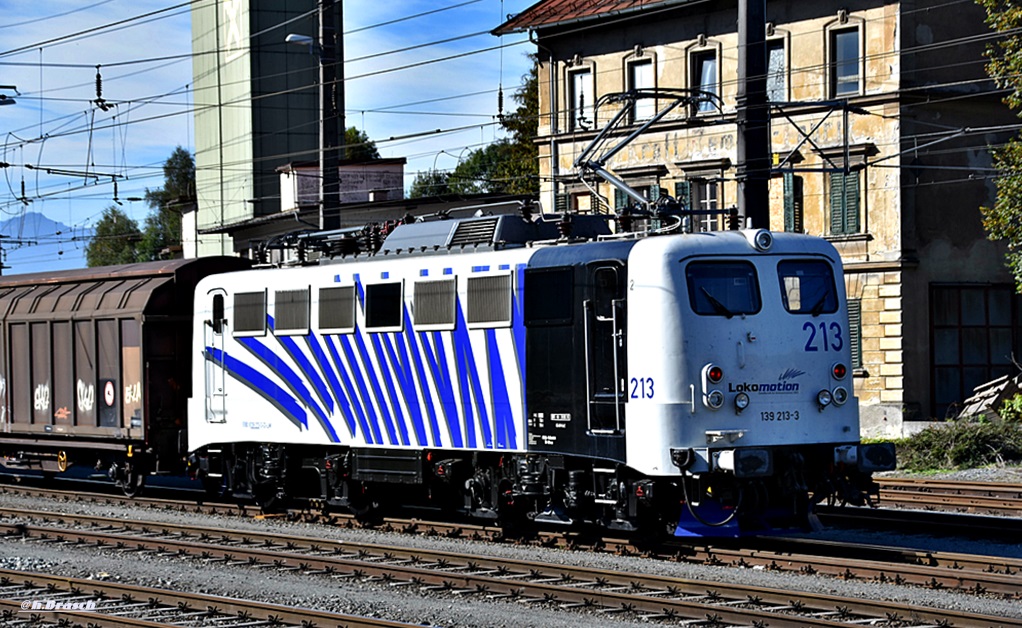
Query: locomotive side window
x=549 y=296
x=489 y=301
x=250 y=313
x=383 y=307
x=807 y=287
x=723 y=288
x=291 y=311
x=337 y=309
x=433 y=304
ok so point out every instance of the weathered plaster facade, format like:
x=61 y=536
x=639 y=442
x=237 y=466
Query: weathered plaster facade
x=912 y=127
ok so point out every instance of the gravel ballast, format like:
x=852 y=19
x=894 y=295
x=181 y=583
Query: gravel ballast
x=405 y=604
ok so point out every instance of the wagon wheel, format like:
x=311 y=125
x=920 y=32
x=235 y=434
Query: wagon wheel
x=131 y=481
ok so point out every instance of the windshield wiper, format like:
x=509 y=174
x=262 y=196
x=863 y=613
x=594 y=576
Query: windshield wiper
x=717 y=305
x=818 y=308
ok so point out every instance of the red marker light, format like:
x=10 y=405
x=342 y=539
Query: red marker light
x=715 y=374
x=840 y=371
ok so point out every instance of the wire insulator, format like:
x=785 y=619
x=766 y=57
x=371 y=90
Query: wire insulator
x=99 y=84
x=500 y=102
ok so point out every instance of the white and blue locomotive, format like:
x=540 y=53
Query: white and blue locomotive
x=698 y=383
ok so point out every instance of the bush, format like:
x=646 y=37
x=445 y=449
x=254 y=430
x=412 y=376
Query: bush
x=1011 y=410
x=962 y=445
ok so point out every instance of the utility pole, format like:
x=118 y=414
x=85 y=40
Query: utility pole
x=753 y=167
x=3 y=254
x=331 y=123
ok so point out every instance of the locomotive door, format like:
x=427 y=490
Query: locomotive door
x=213 y=336
x=604 y=318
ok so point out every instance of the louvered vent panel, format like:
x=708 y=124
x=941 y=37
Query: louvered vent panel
x=489 y=299
x=337 y=308
x=434 y=302
x=250 y=312
x=292 y=310
x=474 y=232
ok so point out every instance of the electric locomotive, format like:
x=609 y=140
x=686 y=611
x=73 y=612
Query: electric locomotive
x=511 y=368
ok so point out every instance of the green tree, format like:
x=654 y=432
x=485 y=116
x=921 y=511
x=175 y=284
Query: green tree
x=1003 y=221
x=114 y=241
x=430 y=183
x=163 y=224
x=358 y=146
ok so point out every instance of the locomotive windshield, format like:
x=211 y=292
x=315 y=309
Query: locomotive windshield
x=807 y=287
x=723 y=288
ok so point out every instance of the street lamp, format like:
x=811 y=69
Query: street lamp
x=331 y=105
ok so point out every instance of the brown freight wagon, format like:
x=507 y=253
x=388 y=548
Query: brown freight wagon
x=95 y=367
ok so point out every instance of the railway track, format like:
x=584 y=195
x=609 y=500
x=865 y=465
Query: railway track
x=32 y=599
x=641 y=595
x=985 y=498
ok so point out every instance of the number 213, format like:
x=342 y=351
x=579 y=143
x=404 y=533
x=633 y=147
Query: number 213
x=829 y=337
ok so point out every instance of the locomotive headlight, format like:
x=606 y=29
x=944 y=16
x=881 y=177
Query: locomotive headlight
x=840 y=395
x=763 y=240
x=715 y=399
x=741 y=401
x=824 y=398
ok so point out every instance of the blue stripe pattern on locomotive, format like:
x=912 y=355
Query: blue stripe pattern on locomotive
x=342 y=377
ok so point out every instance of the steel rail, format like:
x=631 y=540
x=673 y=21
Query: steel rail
x=649 y=596
x=116 y=603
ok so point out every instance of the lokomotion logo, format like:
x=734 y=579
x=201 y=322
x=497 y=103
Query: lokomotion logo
x=783 y=386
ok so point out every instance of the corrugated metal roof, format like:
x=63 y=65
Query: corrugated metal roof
x=553 y=12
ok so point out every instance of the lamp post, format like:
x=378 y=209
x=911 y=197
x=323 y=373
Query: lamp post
x=331 y=108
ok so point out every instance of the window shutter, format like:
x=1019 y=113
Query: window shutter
x=594 y=203
x=855 y=331
x=683 y=194
x=852 y=202
x=654 y=192
x=620 y=199
x=837 y=202
x=561 y=203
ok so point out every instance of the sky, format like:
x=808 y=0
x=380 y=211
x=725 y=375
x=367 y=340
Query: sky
x=63 y=151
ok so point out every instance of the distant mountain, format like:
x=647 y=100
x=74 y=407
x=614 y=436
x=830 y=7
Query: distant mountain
x=45 y=244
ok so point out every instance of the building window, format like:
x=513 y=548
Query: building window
x=855 y=331
x=844 y=192
x=581 y=113
x=640 y=76
x=704 y=78
x=844 y=62
x=704 y=196
x=793 y=203
x=777 y=74
x=976 y=329
x=650 y=192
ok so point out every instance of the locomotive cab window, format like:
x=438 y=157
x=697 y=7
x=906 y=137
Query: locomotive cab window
x=250 y=313
x=807 y=287
x=383 y=307
x=723 y=288
x=549 y=296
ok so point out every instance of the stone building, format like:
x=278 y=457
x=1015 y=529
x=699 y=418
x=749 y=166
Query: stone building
x=881 y=123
